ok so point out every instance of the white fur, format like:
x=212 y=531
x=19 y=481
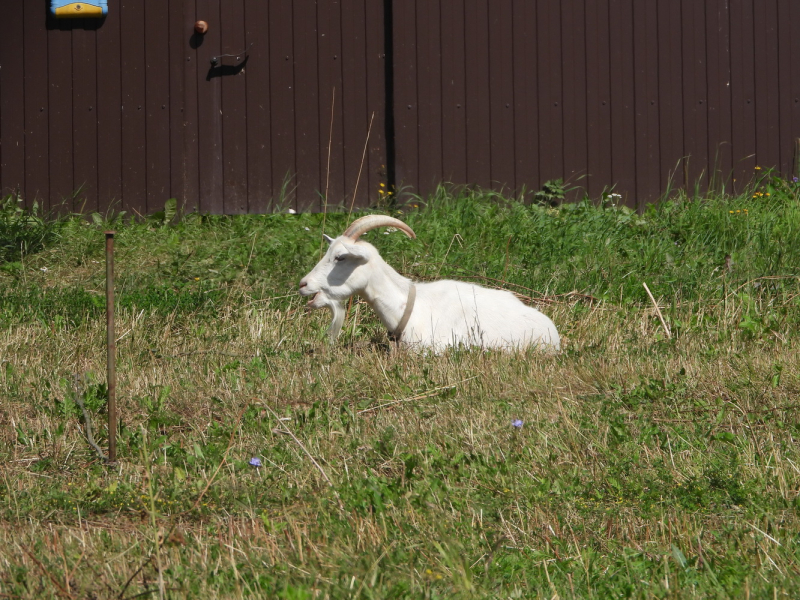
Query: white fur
x=446 y=313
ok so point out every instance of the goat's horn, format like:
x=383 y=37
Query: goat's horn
x=364 y=224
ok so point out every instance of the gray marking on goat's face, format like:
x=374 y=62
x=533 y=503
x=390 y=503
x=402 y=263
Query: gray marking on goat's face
x=337 y=274
x=343 y=270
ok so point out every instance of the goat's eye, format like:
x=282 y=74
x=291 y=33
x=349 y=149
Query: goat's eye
x=338 y=258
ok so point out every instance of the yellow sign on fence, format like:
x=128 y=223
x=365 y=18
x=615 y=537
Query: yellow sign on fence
x=78 y=10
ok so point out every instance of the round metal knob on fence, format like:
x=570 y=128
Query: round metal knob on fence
x=201 y=27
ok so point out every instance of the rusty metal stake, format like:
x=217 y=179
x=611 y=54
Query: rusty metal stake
x=112 y=350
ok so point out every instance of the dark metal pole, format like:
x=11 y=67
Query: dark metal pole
x=112 y=350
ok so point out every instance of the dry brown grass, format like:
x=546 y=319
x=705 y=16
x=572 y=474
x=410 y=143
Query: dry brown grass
x=551 y=507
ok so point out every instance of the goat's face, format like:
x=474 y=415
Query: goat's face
x=343 y=271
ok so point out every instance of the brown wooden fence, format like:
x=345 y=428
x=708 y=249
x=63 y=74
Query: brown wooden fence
x=625 y=93
x=130 y=112
x=506 y=94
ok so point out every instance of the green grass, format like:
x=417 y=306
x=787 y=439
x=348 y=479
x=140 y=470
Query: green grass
x=647 y=465
x=22 y=231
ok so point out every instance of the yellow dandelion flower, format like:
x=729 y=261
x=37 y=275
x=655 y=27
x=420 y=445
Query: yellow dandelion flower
x=383 y=185
x=757 y=168
x=197 y=279
x=767 y=193
x=730 y=211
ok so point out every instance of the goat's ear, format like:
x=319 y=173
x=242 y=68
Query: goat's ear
x=328 y=239
x=353 y=253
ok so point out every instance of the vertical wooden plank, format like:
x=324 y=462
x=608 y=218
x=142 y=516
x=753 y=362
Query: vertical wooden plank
x=598 y=97
x=234 y=109
x=209 y=110
x=551 y=102
x=179 y=39
x=690 y=95
x=190 y=159
x=623 y=124
x=573 y=27
x=354 y=97
x=501 y=96
x=794 y=89
x=765 y=22
x=743 y=92
x=84 y=115
x=526 y=107
x=376 y=97
x=719 y=94
x=406 y=109
x=259 y=129
x=12 y=106
x=59 y=61
x=37 y=181
x=670 y=95
x=109 y=115
x=284 y=168
x=307 y=128
x=787 y=131
x=695 y=93
x=330 y=101
x=134 y=122
x=645 y=50
x=478 y=106
x=454 y=121
x=429 y=93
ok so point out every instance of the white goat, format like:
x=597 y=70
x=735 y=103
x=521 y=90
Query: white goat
x=436 y=314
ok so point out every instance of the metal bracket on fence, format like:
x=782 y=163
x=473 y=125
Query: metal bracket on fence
x=243 y=54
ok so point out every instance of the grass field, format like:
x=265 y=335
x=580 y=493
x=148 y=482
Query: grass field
x=647 y=465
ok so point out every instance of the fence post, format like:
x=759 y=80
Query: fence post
x=111 y=347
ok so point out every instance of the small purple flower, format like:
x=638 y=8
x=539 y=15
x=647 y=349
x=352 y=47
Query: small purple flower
x=517 y=423
x=794 y=180
x=255 y=461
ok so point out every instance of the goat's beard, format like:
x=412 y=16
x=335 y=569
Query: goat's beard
x=322 y=300
x=337 y=319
